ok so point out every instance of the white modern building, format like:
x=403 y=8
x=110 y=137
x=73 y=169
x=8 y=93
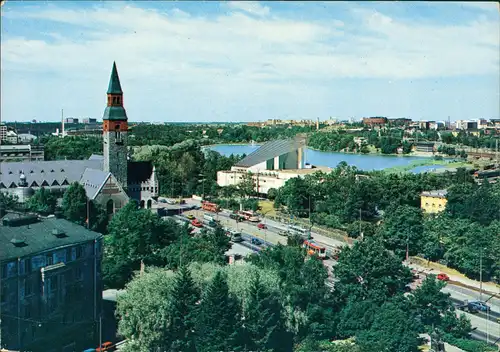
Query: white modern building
x=270 y=166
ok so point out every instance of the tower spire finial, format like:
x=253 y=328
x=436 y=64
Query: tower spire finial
x=114 y=82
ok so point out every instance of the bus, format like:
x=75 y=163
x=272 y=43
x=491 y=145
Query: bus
x=300 y=231
x=208 y=217
x=313 y=248
x=249 y=215
x=214 y=208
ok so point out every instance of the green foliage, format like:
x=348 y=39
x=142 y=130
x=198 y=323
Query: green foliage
x=218 y=321
x=369 y=271
x=8 y=201
x=134 y=235
x=72 y=148
x=272 y=193
x=402 y=226
x=393 y=329
x=182 y=312
x=43 y=202
x=430 y=302
x=75 y=203
x=469 y=345
x=264 y=329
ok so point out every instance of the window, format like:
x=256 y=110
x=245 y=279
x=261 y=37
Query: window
x=27 y=311
x=50 y=260
x=79 y=252
x=78 y=274
x=28 y=287
x=53 y=283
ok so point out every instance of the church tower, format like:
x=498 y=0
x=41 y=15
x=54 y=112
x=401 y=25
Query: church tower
x=114 y=131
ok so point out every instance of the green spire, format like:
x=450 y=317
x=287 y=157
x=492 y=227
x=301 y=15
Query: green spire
x=114 y=82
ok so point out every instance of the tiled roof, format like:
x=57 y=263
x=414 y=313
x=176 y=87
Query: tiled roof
x=269 y=151
x=93 y=180
x=39 y=237
x=46 y=173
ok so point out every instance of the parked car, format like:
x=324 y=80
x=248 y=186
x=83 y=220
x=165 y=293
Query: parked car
x=236 y=237
x=191 y=217
x=261 y=226
x=443 y=277
x=256 y=241
x=196 y=223
x=106 y=346
x=481 y=306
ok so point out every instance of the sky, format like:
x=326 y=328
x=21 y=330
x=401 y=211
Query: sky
x=251 y=61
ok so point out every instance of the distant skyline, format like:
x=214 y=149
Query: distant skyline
x=250 y=61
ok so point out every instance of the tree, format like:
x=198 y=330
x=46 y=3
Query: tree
x=369 y=271
x=8 y=201
x=43 y=202
x=182 y=312
x=218 y=320
x=402 y=227
x=98 y=218
x=135 y=235
x=263 y=323
x=75 y=203
x=247 y=185
x=272 y=193
x=393 y=329
x=430 y=303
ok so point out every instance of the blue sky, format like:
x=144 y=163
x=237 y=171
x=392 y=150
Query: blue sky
x=250 y=61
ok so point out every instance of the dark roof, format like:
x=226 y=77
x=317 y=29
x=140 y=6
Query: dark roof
x=269 y=151
x=139 y=171
x=46 y=173
x=114 y=86
x=115 y=113
x=93 y=180
x=23 y=240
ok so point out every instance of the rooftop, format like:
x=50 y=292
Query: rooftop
x=270 y=150
x=438 y=193
x=22 y=235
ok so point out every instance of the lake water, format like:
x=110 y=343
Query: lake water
x=332 y=159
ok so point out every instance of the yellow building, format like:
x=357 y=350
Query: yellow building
x=433 y=201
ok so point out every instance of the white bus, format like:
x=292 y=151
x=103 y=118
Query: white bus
x=208 y=217
x=250 y=216
x=300 y=231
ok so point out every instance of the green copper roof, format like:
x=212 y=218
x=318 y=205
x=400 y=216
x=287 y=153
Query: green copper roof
x=115 y=113
x=114 y=82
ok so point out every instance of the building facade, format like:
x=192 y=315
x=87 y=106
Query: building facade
x=21 y=152
x=432 y=202
x=50 y=284
x=374 y=121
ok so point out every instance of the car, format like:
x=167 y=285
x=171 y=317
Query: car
x=481 y=306
x=284 y=233
x=106 y=346
x=191 y=217
x=256 y=241
x=443 y=277
x=196 y=223
x=261 y=226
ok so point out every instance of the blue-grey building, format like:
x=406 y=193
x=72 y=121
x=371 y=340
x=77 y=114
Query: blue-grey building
x=50 y=284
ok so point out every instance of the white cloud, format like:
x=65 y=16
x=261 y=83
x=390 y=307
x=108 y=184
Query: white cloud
x=251 y=7
x=225 y=58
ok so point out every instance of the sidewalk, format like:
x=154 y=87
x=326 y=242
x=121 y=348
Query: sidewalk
x=436 y=268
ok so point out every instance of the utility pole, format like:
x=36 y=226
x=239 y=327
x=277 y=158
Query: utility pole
x=481 y=275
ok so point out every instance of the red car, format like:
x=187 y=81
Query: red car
x=443 y=277
x=196 y=223
x=106 y=346
x=261 y=226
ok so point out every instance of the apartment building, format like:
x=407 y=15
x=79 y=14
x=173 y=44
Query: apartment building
x=50 y=283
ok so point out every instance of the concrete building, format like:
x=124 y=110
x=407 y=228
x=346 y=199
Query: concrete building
x=110 y=179
x=3 y=132
x=270 y=166
x=427 y=147
x=466 y=125
x=374 y=121
x=50 y=283
x=21 y=152
x=71 y=120
x=433 y=201
x=89 y=120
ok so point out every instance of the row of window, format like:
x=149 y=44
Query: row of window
x=27 y=265
x=434 y=205
x=35 y=184
x=139 y=189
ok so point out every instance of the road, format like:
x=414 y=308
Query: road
x=487 y=328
